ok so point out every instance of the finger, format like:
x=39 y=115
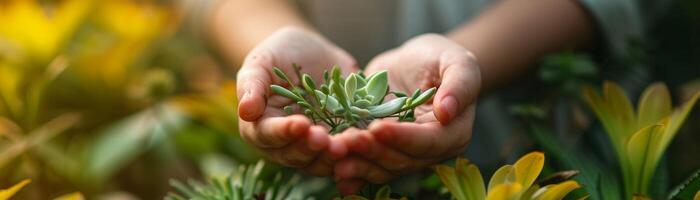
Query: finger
x=459 y=85
x=428 y=140
x=302 y=152
x=366 y=146
x=351 y=186
x=252 y=83
x=322 y=166
x=358 y=168
x=339 y=144
x=275 y=132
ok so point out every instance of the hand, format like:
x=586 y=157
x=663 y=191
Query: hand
x=290 y=140
x=442 y=128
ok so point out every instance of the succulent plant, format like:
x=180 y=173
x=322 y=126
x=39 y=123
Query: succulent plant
x=352 y=101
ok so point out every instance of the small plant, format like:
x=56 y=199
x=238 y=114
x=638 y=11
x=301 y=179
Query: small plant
x=342 y=102
x=516 y=181
x=245 y=183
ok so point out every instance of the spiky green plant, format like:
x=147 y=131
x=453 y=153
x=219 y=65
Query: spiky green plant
x=342 y=102
x=245 y=183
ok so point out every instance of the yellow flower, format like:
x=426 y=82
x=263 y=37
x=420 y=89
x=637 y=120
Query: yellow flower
x=509 y=182
x=9 y=192
x=640 y=138
x=38 y=32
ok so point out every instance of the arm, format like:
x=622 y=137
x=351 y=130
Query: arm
x=238 y=26
x=511 y=36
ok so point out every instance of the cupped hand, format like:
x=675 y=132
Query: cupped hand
x=290 y=140
x=442 y=128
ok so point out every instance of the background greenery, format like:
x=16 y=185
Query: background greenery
x=115 y=99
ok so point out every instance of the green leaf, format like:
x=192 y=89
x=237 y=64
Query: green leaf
x=284 y=92
x=331 y=103
x=377 y=86
x=350 y=87
x=686 y=189
x=359 y=111
x=281 y=75
x=309 y=83
x=362 y=103
x=387 y=108
x=422 y=98
x=399 y=94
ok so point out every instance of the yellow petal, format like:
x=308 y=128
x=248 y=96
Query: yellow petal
x=641 y=151
x=620 y=108
x=71 y=196
x=528 y=168
x=503 y=175
x=559 y=191
x=654 y=105
x=678 y=118
x=7 y=193
x=505 y=192
x=448 y=176
x=471 y=180
x=697 y=196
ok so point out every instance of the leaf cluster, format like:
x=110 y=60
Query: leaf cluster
x=352 y=101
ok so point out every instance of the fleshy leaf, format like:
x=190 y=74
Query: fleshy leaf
x=423 y=97
x=528 y=168
x=331 y=103
x=308 y=83
x=284 y=92
x=558 y=191
x=351 y=86
x=387 y=108
x=377 y=86
x=9 y=192
x=281 y=75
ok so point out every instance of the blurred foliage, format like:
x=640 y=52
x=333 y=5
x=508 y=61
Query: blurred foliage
x=104 y=97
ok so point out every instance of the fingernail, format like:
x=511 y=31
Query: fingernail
x=449 y=104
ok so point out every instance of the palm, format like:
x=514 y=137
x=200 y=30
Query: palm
x=442 y=127
x=290 y=140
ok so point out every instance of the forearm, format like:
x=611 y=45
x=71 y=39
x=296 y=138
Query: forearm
x=512 y=35
x=237 y=26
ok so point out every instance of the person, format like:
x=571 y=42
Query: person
x=479 y=46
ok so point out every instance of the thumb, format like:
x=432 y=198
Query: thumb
x=253 y=81
x=459 y=86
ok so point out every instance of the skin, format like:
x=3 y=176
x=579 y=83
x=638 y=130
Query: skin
x=507 y=39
